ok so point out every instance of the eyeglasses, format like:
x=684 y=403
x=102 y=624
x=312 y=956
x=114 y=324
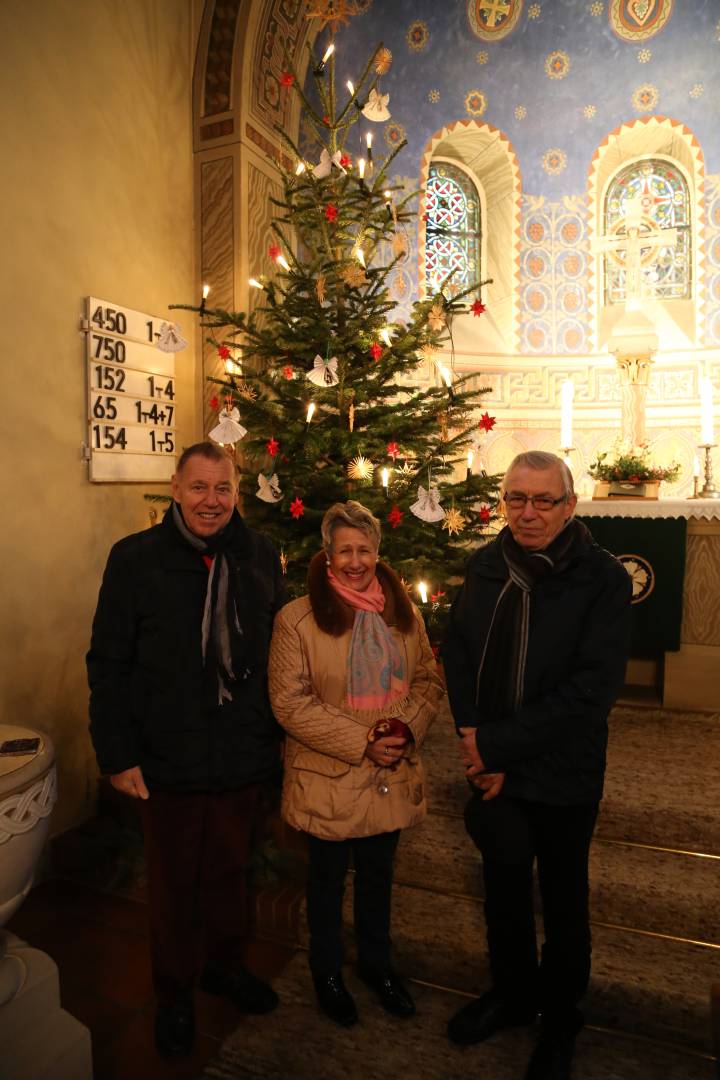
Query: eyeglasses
x=539 y=502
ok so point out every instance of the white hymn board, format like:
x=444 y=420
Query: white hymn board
x=131 y=398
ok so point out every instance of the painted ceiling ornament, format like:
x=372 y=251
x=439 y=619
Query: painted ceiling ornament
x=492 y=20
x=170 y=339
x=324 y=372
x=454 y=522
x=360 y=468
x=638 y=20
x=268 y=489
x=229 y=430
x=325 y=164
x=376 y=107
x=332 y=13
x=428 y=507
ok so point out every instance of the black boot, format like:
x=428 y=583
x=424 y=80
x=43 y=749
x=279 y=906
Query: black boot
x=552 y=1057
x=481 y=1018
x=334 y=999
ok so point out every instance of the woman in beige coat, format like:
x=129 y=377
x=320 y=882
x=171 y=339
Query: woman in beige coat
x=354 y=684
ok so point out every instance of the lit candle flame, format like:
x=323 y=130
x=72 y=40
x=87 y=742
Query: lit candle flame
x=282 y=261
x=328 y=53
x=471 y=458
x=310 y=412
x=566 y=405
x=385 y=474
x=385 y=335
x=206 y=290
x=361 y=167
x=445 y=374
x=255 y=283
x=368 y=140
x=351 y=88
x=707 y=433
x=300 y=168
x=422 y=589
x=360 y=256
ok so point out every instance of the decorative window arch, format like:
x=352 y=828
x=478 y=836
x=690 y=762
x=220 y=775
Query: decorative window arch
x=666 y=269
x=453 y=236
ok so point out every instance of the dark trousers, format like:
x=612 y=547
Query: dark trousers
x=329 y=859
x=512 y=834
x=196 y=849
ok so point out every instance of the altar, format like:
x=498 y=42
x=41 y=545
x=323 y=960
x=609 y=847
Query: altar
x=671 y=549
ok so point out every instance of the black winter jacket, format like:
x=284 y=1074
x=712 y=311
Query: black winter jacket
x=152 y=703
x=553 y=748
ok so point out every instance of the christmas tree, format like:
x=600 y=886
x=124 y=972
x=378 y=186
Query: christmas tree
x=322 y=400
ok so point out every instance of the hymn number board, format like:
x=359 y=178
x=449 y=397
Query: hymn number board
x=132 y=402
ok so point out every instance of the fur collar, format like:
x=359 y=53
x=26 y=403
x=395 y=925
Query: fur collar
x=335 y=617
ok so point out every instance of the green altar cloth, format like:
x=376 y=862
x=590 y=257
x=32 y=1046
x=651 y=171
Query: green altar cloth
x=653 y=552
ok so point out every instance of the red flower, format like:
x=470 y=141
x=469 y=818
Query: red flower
x=287 y=78
x=376 y=351
x=214 y=402
x=274 y=250
x=331 y=212
x=477 y=308
x=296 y=508
x=272 y=446
x=289 y=371
x=345 y=161
x=223 y=352
x=393 y=450
x=487 y=422
x=395 y=516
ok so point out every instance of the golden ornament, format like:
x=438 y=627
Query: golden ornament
x=332 y=13
x=354 y=276
x=436 y=316
x=283 y=562
x=361 y=468
x=246 y=391
x=383 y=60
x=454 y=521
x=351 y=416
x=320 y=288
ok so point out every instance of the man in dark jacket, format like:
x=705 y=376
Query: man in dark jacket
x=534 y=658
x=180 y=719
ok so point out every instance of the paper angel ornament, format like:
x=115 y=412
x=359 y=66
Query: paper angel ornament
x=324 y=166
x=170 y=339
x=229 y=430
x=268 y=490
x=428 y=507
x=377 y=107
x=324 y=372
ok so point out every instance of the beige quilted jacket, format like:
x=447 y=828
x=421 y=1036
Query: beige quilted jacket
x=330 y=788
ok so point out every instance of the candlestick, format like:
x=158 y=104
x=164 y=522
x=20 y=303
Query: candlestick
x=707 y=434
x=319 y=69
x=567 y=393
x=709 y=491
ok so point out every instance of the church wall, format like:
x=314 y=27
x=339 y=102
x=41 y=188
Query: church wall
x=96 y=185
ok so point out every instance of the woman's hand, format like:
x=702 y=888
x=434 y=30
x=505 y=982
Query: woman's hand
x=386 y=751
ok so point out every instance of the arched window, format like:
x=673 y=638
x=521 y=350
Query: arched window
x=659 y=193
x=452 y=230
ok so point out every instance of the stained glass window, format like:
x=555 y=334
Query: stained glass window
x=659 y=265
x=452 y=236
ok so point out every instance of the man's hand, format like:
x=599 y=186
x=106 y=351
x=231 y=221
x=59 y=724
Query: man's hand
x=469 y=752
x=131 y=782
x=386 y=751
x=490 y=782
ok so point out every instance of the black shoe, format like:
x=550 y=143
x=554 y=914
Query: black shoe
x=174 y=1030
x=552 y=1057
x=334 y=999
x=392 y=994
x=247 y=993
x=483 y=1017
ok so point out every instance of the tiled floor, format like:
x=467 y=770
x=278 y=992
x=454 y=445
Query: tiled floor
x=99 y=942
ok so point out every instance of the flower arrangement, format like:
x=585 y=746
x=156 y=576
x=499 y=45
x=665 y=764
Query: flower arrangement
x=632 y=466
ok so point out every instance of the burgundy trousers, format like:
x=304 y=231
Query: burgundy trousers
x=196 y=848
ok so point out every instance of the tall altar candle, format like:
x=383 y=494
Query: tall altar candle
x=707 y=434
x=566 y=400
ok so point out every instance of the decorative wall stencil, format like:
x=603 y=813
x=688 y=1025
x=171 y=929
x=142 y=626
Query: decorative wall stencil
x=475 y=103
x=261 y=189
x=638 y=20
x=284 y=29
x=557 y=65
x=217 y=250
x=554 y=161
x=712 y=264
x=394 y=135
x=219 y=59
x=645 y=98
x=493 y=20
x=417 y=35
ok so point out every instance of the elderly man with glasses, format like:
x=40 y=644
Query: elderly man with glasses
x=534 y=657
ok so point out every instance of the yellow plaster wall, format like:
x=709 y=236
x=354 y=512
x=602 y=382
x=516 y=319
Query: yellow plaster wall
x=96 y=198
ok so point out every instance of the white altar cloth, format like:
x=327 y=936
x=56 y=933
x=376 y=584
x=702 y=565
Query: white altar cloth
x=707 y=509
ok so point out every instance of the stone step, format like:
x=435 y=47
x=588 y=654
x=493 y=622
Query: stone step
x=641 y=888
x=298 y=1041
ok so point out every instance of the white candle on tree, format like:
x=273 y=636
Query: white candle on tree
x=566 y=406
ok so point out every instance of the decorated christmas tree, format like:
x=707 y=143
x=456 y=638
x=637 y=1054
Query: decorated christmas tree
x=322 y=400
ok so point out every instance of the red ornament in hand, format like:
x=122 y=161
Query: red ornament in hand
x=391 y=726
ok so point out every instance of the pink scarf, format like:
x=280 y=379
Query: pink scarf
x=376 y=677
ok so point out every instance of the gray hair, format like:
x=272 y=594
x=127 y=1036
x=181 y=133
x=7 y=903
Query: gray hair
x=355 y=516
x=540 y=460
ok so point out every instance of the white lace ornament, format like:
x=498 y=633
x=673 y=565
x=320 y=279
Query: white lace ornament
x=170 y=339
x=268 y=490
x=324 y=372
x=377 y=107
x=428 y=507
x=228 y=430
x=324 y=166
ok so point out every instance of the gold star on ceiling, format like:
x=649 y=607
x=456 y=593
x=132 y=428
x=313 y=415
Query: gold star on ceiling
x=332 y=13
x=454 y=521
x=360 y=468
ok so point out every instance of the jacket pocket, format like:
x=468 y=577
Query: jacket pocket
x=315 y=762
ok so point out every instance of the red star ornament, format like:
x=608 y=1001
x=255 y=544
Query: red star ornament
x=437 y=596
x=376 y=351
x=345 y=161
x=223 y=352
x=393 y=450
x=214 y=402
x=274 y=250
x=289 y=372
x=272 y=447
x=487 y=422
x=484 y=514
x=395 y=516
x=331 y=212
x=477 y=308
x=296 y=508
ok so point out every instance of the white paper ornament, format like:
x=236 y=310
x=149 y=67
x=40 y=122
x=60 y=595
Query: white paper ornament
x=428 y=507
x=324 y=372
x=376 y=108
x=324 y=166
x=170 y=339
x=268 y=490
x=228 y=430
